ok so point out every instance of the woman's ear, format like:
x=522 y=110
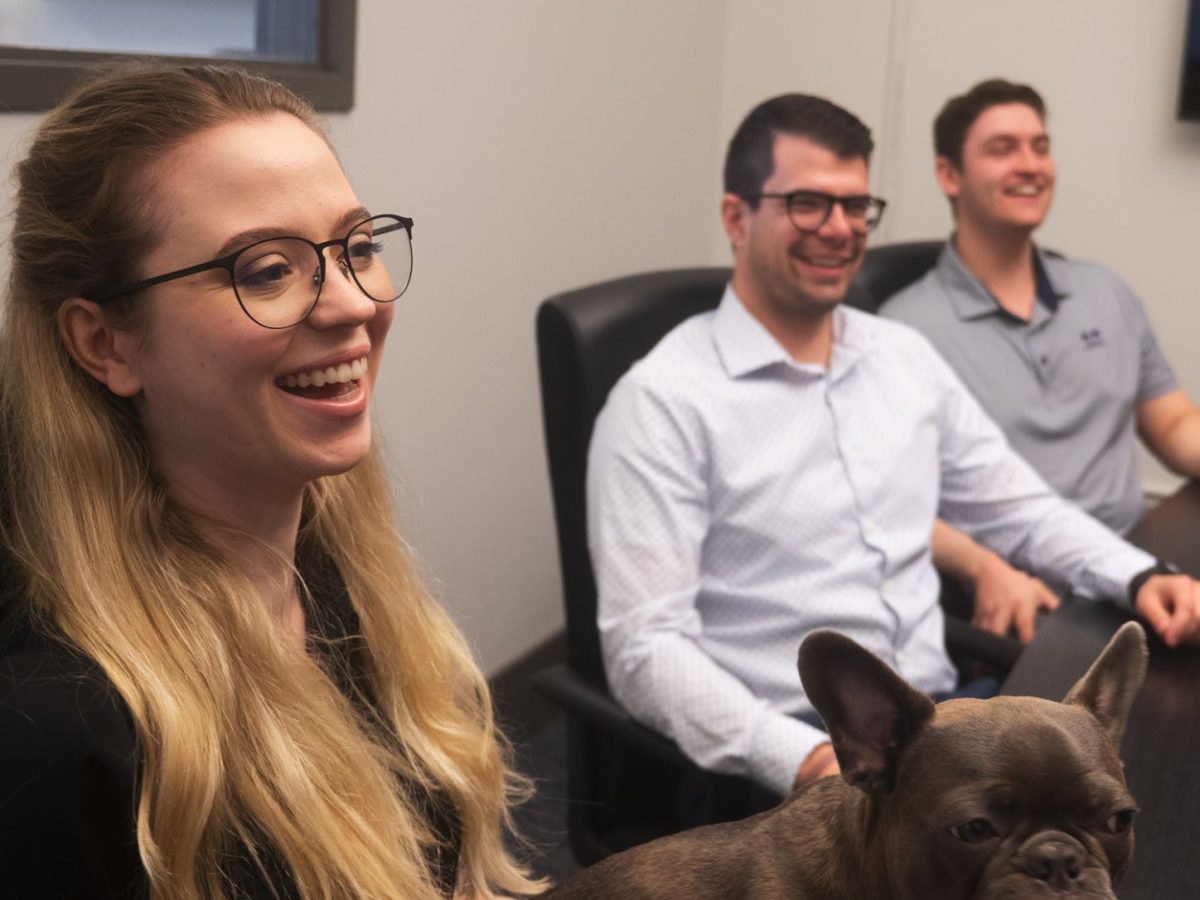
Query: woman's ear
x=101 y=350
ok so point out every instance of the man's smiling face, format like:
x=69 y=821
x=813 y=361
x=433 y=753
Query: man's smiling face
x=1006 y=179
x=781 y=272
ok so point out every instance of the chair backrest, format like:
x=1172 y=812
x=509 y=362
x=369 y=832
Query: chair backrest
x=588 y=338
x=889 y=268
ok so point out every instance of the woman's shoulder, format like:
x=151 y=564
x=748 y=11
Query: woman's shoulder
x=53 y=696
x=67 y=769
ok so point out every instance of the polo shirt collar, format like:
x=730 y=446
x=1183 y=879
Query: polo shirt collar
x=745 y=346
x=971 y=300
x=1050 y=290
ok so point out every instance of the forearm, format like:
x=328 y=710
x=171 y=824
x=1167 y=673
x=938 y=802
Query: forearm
x=672 y=685
x=1087 y=556
x=994 y=495
x=1178 y=448
x=1170 y=427
x=956 y=554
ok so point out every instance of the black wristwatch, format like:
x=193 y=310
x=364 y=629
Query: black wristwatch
x=1160 y=567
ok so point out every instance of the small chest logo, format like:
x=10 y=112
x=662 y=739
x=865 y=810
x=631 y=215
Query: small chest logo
x=1092 y=338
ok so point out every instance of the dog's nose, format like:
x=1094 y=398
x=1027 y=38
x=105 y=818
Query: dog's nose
x=1058 y=862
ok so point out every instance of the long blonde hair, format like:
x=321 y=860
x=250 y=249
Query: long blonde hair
x=242 y=741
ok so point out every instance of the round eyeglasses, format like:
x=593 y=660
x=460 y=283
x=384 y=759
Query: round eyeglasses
x=809 y=210
x=278 y=281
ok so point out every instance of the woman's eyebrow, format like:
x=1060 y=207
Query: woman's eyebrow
x=253 y=235
x=352 y=217
x=250 y=236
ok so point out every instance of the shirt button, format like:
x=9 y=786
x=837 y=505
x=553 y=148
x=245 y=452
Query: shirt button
x=1045 y=359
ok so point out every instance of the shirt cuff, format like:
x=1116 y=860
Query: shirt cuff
x=1161 y=567
x=1110 y=578
x=779 y=747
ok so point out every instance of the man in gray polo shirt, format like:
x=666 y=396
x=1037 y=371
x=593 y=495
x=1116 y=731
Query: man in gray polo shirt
x=1059 y=353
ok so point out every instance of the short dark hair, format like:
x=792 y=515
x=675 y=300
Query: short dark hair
x=959 y=114
x=750 y=160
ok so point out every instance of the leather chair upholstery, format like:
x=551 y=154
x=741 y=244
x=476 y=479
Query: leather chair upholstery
x=889 y=268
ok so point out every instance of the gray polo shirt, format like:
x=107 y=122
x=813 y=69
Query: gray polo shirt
x=1064 y=386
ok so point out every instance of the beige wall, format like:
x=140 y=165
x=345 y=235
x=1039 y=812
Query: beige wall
x=776 y=46
x=540 y=146
x=545 y=144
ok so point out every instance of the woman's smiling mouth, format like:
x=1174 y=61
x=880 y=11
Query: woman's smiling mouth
x=326 y=383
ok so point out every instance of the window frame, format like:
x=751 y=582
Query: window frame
x=34 y=79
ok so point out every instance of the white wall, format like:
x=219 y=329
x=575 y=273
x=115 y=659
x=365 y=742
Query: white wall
x=832 y=48
x=1129 y=173
x=541 y=145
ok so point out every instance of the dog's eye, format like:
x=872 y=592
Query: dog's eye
x=975 y=831
x=1119 y=822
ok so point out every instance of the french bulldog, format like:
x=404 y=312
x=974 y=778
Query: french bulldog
x=1013 y=797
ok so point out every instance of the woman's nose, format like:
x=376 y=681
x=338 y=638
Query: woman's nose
x=341 y=301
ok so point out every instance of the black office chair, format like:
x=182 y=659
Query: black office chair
x=890 y=268
x=624 y=779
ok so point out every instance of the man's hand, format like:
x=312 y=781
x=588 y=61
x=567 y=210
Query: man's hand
x=821 y=761
x=1006 y=598
x=1171 y=604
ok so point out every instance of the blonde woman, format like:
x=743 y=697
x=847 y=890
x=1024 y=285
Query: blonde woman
x=218 y=676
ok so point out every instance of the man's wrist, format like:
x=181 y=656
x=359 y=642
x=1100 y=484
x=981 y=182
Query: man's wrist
x=815 y=763
x=981 y=559
x=1160 y=567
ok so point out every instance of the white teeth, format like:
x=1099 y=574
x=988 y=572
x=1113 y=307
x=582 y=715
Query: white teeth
x=339 y=374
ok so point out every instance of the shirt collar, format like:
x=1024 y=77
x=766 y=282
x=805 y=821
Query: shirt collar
x=971 y=300
x=1049 y=290
x=745 y=346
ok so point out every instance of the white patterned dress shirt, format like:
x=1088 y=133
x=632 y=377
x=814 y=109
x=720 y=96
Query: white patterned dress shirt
x=737 y=500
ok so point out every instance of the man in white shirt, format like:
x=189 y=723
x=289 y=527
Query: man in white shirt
x=777 y=465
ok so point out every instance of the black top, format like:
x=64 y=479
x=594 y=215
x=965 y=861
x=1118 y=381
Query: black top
x=69 y=762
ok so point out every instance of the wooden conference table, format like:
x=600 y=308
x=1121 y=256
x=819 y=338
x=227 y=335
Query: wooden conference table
x=1161 y=748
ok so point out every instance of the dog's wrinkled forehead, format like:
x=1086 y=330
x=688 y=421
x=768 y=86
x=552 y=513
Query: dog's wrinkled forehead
x=1013 y=739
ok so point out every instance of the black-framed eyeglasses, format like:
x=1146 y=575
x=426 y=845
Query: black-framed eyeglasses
x=809 y=210
x=278 y=281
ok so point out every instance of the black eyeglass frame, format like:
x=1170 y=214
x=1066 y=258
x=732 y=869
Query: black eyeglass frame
x=227 y=263
x=831 y=200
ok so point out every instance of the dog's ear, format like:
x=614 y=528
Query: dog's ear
x=870 y=712
x=1107 y=689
